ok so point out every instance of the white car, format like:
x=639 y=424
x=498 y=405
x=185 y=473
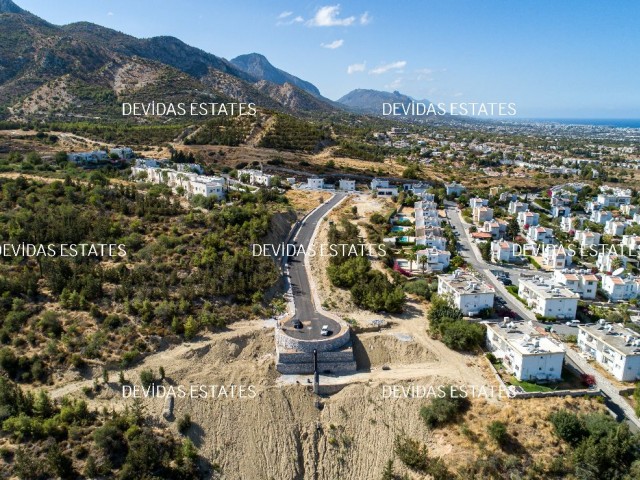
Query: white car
x=325 y=331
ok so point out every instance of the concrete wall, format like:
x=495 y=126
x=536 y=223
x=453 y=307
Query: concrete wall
x=331 y=343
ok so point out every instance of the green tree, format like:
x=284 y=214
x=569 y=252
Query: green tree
x=513 y=229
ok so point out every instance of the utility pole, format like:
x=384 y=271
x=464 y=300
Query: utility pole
x=316 y=374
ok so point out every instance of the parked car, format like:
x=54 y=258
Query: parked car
x=297 y=324
x=325 y=332
x=573 y=323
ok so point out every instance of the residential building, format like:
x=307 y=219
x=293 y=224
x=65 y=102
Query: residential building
x=601 y=216
x=315 y=183
x=558 y=211
x=379 y=183
x=478 y=202
x=542 y=235
x=189 y=167
x=524 y=352
x=466 y=291
x=432 y=241
x=190 y=183
x=454 y=188
x=586 y=238
x=620 y=287
x=569 y=224
x=527 y=219
x=436 y=259
x=614 y=347
x=88 y=158
x=548 y=300
x=555 y=257
x=387 y=191
x=631 y=243
x=502 y=251
x=123 y=153
x=618 y=198
x=347 y=185
x=609 y=261
x=614 y=227
x=629 y=210
x=516 y=207
x=482 y=214
x=255 y=177
x=583 y=283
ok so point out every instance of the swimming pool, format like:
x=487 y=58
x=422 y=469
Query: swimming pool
x=399 y=229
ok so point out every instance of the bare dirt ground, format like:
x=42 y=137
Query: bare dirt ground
x=280 y=434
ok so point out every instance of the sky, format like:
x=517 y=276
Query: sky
x=553 y=59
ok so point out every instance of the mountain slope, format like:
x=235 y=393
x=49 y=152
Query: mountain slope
x=167 y=50
x=370 y=101
x=7 y=6
x=50 y=70
x=294 y=98
x=259 y=68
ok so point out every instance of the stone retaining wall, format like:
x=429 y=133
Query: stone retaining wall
x=307 y=368
x=324 y=345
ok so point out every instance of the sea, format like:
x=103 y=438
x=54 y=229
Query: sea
x=601 y=122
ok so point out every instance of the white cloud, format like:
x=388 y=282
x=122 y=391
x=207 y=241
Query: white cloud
x=328 y=16
x=110 y=14
x=365 y=18
x=458 y=95
x=285 y=19
x=387 y=67
x=356 y=67
x=333 y=45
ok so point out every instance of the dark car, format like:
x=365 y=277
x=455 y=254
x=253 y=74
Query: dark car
x=297 y=324
x=506 y=281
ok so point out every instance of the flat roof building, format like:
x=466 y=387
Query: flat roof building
x=547 y=300
x=614 y=347
x=466 y=291
x=524 y=352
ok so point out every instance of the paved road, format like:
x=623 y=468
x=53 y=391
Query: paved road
x=472 y=255
x=306 y=312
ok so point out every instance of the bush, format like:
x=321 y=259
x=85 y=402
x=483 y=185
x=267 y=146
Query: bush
x=464 y=336
x=147 y=378
x=498 y=432
x=445 y=408
x=412 y=453
x=184 y=423
x=568 y=426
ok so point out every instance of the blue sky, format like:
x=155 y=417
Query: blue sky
x=556 y=59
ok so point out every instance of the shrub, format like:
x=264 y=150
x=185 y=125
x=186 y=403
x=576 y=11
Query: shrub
x=412 y=453
x=184 y=423
x=445 y=408
x=498 y=432
x=568 y=426
x=146 y=378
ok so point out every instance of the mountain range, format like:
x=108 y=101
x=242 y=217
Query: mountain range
x=83 y=70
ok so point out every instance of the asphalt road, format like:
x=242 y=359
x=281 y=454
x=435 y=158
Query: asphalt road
x=312 y=321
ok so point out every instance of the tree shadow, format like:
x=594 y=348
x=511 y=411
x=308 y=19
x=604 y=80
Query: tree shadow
x=196 y=434
x=363 y=362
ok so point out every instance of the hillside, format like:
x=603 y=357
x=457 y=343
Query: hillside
x=259 y=68
x=370 y=101
x=83 y=70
